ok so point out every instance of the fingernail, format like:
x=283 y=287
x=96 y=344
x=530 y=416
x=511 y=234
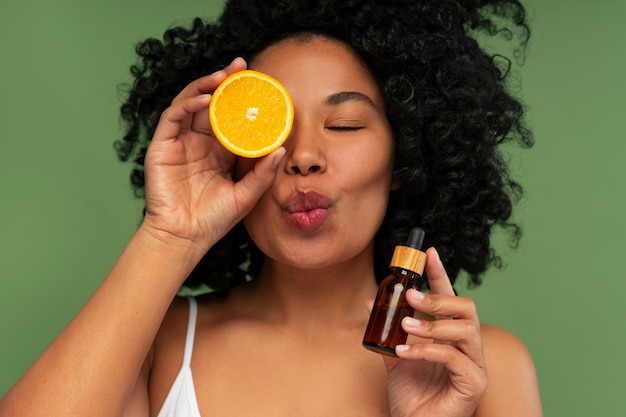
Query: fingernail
x=437 y=254
x=280 y=153
x=417 y=295
x=412 y=322
x=402 y=348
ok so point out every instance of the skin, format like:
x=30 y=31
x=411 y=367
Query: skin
x=287 y=344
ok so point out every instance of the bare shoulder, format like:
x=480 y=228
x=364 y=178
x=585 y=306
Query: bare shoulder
x=176 y=317
x=175 y=321
x=503 y=344
x=508 y=359
x=166 y=355
x=169 y=339
x=169 y=343
x=512 y=387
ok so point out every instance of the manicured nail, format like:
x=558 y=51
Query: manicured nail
x=417 y=295
x=402 y=348
x=412 y=322
x=280 y=153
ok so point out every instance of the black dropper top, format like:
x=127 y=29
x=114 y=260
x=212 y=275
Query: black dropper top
x=416 y=238
x=410 y=257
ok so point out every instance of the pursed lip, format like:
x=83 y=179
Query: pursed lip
x=308 y=211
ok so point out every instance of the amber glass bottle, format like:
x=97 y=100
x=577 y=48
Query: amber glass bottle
x=384 y=331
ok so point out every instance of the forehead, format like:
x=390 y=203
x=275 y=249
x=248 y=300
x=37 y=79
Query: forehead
x=317 y=66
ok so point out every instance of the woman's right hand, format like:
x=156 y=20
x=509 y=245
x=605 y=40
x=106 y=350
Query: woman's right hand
x=190 y=192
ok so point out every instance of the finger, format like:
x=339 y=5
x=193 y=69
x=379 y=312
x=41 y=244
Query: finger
x=459 y=331
x=250 y=188
x=172 y=119
x=208 y=83
x=438 y=280
x=442 y=306
x=463 y=334
x=468 y=377
x=205 y=85
x=200 y=123
x=456 y=323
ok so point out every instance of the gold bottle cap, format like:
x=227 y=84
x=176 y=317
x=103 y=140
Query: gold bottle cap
x=409 y=258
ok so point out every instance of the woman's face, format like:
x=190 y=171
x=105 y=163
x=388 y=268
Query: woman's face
x=331 y=190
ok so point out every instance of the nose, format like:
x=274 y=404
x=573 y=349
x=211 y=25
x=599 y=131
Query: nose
x=305 y=152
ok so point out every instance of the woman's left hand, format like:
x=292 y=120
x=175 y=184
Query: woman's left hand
x=446 y=375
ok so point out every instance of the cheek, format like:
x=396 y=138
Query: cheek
x=371 y=166
x=368 y=177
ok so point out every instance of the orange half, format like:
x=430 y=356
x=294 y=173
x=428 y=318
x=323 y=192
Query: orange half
x=251 y=113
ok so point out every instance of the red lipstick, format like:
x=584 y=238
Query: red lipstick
x=308 y=211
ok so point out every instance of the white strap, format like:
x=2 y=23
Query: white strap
x=191 y=331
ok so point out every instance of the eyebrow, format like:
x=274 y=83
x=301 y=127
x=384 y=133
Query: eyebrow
x=343 y=96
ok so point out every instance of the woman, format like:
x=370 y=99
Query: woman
x=398 y=118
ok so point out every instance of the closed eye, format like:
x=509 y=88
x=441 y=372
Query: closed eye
x=344 y=128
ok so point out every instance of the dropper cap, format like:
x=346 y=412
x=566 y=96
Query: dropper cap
x=410 y=257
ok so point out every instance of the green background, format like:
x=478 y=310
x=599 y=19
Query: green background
x=66 y=209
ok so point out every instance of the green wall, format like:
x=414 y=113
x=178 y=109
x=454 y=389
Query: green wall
x=66 y=209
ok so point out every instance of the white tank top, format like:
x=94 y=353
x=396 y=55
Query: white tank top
x=181 y=401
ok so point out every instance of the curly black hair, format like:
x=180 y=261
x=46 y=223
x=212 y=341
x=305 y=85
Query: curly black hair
x=446 y=98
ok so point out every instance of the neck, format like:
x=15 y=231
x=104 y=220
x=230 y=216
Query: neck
x=329 y=297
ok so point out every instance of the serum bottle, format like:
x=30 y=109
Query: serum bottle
x=384 y=331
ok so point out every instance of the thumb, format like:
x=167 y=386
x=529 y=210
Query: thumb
x=258 y=180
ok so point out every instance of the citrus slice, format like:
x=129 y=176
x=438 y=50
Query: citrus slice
x=251 y=113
